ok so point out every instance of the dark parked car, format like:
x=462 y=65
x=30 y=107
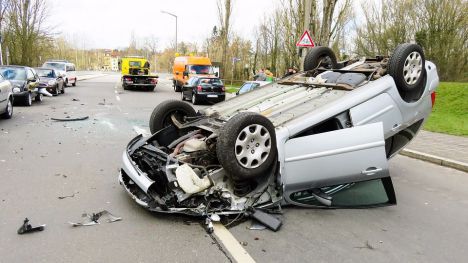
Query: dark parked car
x=204 y=89
x=6 y=98
x=51 y=80
x=25 y=82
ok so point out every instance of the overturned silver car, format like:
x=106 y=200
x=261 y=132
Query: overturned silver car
x=319 y=138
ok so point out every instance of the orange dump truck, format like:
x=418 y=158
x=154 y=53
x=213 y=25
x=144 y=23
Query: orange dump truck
x=189 y=66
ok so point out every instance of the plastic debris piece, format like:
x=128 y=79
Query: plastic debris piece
x=27 y=228
x=257 y=225
x=70 y=119
x=93 y=219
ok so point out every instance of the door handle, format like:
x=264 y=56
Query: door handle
x=396 y=126
x=371 y=171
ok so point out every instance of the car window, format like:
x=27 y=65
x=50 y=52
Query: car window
x=210 y=81
x=372 y=192
x=13 y=73
x=29 y=74
x=70 y=68
x=134 y=64
x=245 y=88
x=55 y=65
x=199 y=69
x=46 y=73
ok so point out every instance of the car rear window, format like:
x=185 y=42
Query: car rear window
x=210 y=81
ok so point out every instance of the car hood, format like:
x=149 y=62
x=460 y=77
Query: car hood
x=45 y=80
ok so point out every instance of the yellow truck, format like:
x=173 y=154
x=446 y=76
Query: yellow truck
x=136 y=73
x=188 y=66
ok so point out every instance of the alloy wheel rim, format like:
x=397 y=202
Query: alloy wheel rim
x=412 y=68
x=29 y=99
x=253 y=146
x=193 y=98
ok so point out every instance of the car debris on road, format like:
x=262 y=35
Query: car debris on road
x=93 y=219
x=27 y=228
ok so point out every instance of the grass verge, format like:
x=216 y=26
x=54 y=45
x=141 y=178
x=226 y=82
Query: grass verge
x=450 y=112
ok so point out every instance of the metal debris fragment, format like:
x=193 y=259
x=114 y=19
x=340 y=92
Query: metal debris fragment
x=92 y=219
x=27 y=228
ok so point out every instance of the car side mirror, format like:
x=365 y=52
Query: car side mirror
x=177 y=73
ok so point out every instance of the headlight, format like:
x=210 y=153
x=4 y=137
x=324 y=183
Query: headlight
x=16 y=89
x=51 y=82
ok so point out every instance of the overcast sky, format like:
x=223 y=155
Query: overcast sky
x=109 y=23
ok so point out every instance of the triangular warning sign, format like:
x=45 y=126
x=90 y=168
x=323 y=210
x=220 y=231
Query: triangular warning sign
x=306 y=40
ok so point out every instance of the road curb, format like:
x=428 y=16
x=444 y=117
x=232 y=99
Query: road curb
x=436 y=159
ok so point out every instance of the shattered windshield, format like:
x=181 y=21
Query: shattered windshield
x=13 y=73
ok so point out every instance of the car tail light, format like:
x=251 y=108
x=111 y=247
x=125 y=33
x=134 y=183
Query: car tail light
x=128 y=79
x=199 y=88
x=433 y=98
x=154 y=81
x=223 y=88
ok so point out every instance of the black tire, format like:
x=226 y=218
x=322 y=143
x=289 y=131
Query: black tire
x=408 y=56
x=8 y=110
x=195 y=100
x=39 y=97
x=177 y=88
x=63 y=89
x=65 y=84
x=226 y=146
x=161 y=115
x=74 y=83
x=320 y=56
x=182 y=96
x=28 y=99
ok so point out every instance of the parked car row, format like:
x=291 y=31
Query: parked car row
x=20 y=85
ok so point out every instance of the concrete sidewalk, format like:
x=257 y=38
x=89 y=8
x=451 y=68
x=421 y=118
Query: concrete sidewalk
x=443 y=149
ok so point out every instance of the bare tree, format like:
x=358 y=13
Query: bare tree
x=224 y=12
x=25 y=34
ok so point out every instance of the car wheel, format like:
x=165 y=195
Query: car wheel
x=176 y=87
x=194 y=99
x=182 y=96
x=39 y=97
x=65 y=84
x=246 y=146
x=63 y=89
x=9 y=110
x=320 y=56
x=57 y=90
x=28 y=99
x=161 y=115
x=407 y=67
x=74 y=83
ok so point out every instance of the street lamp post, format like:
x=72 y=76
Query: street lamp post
x=165 y=12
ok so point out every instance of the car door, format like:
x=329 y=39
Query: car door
x=330 y=160
x=31 y=79
x=3 y=93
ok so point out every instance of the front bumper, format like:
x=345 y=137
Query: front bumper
x=21 y=94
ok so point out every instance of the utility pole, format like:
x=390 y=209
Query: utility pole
x=307 y=24
x=173 y=15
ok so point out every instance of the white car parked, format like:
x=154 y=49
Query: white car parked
x=66 y=69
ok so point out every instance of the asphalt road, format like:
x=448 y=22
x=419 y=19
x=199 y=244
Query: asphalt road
x=41 y=160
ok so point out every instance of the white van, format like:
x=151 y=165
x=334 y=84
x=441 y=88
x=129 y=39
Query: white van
x=65 y=69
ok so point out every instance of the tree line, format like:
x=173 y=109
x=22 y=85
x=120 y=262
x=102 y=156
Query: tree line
x=374 y=28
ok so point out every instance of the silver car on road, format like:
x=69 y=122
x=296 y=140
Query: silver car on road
x=319 y=138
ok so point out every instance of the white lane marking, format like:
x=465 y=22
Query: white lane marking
x=231 y=244
x=117 y=97
x=141 y=131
